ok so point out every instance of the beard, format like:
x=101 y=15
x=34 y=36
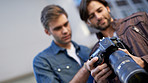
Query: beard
x=103 y=26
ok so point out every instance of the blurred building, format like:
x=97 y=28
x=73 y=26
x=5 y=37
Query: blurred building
x=123 y=8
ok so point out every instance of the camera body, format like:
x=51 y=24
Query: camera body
x=127 y=70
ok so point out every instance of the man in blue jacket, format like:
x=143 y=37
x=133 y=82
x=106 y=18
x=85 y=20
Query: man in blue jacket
x=63 y=58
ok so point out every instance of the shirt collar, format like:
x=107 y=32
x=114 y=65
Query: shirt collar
x=76 y=45
x=57 y=49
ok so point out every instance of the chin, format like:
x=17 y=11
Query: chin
x=67 y=41
x=103 y=28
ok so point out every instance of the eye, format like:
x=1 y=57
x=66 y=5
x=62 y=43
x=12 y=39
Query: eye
x=57 y=28
x=91 y=16
x=100 y=10
x=66 y=24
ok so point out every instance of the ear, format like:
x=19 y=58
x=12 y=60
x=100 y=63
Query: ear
x=47 y=32
x=108 y=9
x=88 y=23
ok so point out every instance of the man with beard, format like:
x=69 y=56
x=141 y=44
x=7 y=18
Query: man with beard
x=132 y=30
x=63 y=58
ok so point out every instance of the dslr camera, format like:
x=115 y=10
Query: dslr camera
x=127 y=70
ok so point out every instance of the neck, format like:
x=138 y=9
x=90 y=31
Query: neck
x=108 y=32
x=66 y=46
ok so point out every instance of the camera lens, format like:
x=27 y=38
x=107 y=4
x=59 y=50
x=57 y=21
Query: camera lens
x=138 y=78
x=126 y=68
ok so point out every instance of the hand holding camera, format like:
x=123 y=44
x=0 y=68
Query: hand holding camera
x=101 y=72
x=126 y=69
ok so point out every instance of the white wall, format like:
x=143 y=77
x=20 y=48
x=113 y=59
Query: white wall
x=22 y=35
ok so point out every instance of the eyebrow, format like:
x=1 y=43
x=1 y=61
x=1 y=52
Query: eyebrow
x=95 y=10
x=66 y=23
x=58 y=27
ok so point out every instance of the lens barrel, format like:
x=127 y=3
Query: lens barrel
x=127 y=70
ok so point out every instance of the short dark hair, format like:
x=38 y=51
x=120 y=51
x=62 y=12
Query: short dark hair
x=83 y=8
x=51 y=13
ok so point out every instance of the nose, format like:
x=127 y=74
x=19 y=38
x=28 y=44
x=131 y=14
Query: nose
x=65 y=30
x=97 y=16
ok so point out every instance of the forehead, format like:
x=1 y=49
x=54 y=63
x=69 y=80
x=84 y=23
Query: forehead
x=62 y=19
x=93 y=6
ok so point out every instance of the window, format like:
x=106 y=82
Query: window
x=137 y=1
x=121 y=3
x=142 y=9
x=126 y=11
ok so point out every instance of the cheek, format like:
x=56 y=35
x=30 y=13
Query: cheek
x=68 y=27
x=56 y=33
x=106 y=14
x=94 y=23
x=57 y=37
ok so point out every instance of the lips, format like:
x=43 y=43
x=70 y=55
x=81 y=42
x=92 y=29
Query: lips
x=101 y=22
x=66 y=37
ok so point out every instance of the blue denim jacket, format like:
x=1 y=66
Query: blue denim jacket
x=53 y=65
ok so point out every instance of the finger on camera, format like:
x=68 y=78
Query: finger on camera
x=105 y=76
x=125 y=50
x=91 y=62
x=102 y=75
x=98 y=69
x=104 y=71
